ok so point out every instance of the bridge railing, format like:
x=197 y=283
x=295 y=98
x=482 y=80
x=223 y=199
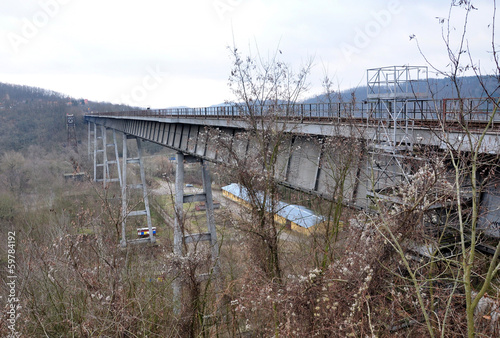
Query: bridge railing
x=309 y=111
x=470 y=110
x=448 y=111
x=418 y=110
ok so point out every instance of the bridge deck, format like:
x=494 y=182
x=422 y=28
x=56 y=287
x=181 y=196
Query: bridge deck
x=450 y=114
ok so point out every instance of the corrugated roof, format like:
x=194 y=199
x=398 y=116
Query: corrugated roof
x=298 y=214
x=237 y=191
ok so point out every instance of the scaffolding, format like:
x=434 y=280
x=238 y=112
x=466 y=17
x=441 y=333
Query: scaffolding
x=390 y=93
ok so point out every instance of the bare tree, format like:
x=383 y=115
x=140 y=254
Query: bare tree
x=447 y=194
x=266 y=92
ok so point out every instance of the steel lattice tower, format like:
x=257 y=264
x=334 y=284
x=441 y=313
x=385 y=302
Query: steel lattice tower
x=391 y=93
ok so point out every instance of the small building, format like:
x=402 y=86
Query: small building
x=294 y=217
x=235 y=193
x=297 y=217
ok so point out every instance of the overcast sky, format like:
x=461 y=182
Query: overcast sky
x=174 y=53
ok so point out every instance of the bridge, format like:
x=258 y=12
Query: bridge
x=387 y=131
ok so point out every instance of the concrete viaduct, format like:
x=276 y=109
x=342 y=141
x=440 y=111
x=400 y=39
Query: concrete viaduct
x=301 y=166
x=396 y=118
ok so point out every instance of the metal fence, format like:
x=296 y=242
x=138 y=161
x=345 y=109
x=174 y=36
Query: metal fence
x=446 y=110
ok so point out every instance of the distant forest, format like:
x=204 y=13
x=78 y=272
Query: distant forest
x=470 y=86
x=36 y=116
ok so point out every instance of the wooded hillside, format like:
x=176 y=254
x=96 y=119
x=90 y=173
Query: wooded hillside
x=37 y=116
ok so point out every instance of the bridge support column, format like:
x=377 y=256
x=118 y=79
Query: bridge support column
x=179 y=204
x=95 y=152
x=126 y=189
x=117 y=158
x=100 y=155
x=182 y=237
x=116 y=162
x=123 y=241
x=89 y=140
x=178 y=226
x=105 y=172
x=207 y=190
